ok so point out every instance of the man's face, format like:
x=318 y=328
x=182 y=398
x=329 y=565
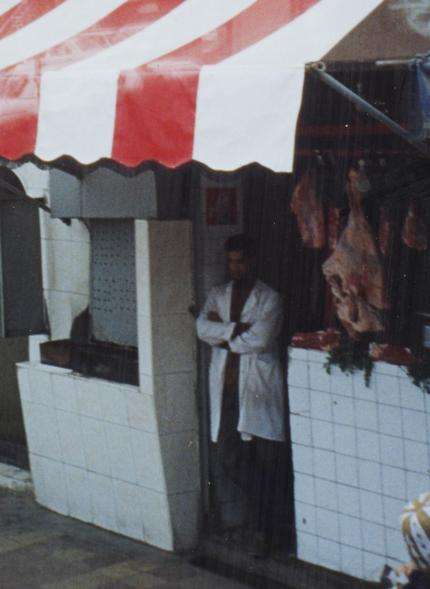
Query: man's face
x=239 y=266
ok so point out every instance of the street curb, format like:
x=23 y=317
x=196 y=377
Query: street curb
x=15 y=479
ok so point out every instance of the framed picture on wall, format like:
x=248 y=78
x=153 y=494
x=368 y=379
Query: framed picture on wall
x=222 y=206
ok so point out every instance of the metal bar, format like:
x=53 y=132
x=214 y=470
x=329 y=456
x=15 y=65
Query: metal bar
x=362 y=105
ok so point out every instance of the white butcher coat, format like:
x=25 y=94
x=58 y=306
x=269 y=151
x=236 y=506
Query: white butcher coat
x=261 y=406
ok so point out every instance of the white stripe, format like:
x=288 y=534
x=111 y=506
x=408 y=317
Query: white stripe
x=248 y=105
x=7 y=5
x=57 y=25
x=77 y=105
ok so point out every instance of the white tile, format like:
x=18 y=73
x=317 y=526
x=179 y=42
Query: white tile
x=341 y=383
x=147 y=382
x=325 y=494
x=38 y=477
x=393 y=509
x=41 y=430
x=411 y=396
x=129 y=516
x=372 y=566
x=297 y=353
x=114 y=404
x=304 y=488
x=368 y=445
x=299 y=401
x=319 y=379
x=303 y=459
x=321 y=405
x=374 y=538
x=141 y=412
x=34 y=342
x=352 y=561
x=157 y=527
x=388 y=388
x=148 y=460
x=23 y=383
x=417 y=483
x=89 y=392
x=40 y=387
x=102 y=501
x=324 y=464
x=307 y=547
x=414 y=425
x=366 y=415
x=64 y=392
x=180 y=456
x=317 y=356
x=322 y=434
x=298 y=375
x=361 y=390
x=386 y=368
x=71 y=440
x=145 y=344
x=300 y=430
x=305 y=517
x=370 y=475
x=345 y=440
x=329 y=554
x=77 y=490
x=371 y=507
x=343 y=410
x=327 y=523
x=347 y=469
x=348 y=500
x=396 y=546
x=55 y=489
x=416 y=456
x=350 y=531
x=394 y=482
x=95 y=445
x=120 y=452
x=391 y=451
x=390 y=420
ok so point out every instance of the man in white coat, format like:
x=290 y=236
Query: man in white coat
x=241 y=321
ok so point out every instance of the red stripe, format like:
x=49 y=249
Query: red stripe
x=25 y=13
x=19 y=85
x=155 y=116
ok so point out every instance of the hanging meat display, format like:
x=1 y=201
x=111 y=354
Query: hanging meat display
x=354 y=270
x=333 y=226
x=385 y=231
x=307 y=207
x=414 y=233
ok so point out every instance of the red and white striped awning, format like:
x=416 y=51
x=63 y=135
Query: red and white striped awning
x=217 y=81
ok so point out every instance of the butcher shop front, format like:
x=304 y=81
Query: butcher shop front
x=302 y=124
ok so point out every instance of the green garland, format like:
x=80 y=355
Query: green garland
x=419 y=372
x=351 y=356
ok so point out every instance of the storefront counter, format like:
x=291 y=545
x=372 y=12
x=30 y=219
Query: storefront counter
x=99 y=453
x=359 y=454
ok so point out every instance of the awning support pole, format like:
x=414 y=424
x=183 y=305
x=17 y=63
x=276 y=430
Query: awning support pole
x=319 y=70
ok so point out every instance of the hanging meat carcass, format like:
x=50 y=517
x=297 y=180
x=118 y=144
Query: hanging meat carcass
x=307 y=207
x=414 y=233
x=385 y=230
x=354 y=271
x=333 y=226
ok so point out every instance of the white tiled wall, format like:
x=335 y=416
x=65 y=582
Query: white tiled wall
x=65 y=257
x=359 y=454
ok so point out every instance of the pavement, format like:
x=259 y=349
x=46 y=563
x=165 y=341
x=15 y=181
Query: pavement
x=40 y=549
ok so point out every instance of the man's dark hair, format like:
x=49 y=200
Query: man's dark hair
x=241 y=243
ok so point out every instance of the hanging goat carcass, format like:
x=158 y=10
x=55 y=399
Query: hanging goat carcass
x=354 y=270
